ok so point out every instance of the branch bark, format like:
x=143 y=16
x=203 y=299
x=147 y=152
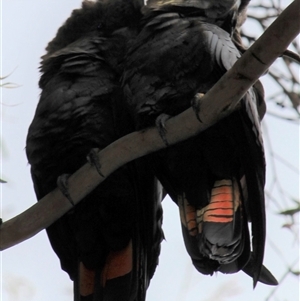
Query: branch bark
x=219 y=102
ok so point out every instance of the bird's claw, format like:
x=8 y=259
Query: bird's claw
x=196 y=104
x=160 y=124
x=62 y=184
x=92 y=158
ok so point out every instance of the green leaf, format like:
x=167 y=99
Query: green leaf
x=291 y=211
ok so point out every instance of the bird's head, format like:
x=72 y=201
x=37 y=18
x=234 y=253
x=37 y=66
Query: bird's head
x=103 y=16
x=214 y=9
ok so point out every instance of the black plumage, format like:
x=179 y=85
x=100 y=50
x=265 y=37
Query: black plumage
x=180 y=53
x=110 y=242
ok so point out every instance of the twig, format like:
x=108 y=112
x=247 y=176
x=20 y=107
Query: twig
x=292 y=55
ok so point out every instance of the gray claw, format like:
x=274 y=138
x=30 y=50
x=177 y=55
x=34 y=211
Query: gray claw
x=196 y=104
x=160 y=124
x=92 y=158
x=62 y=184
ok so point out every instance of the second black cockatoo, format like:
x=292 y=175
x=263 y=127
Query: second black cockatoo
x=109 y=243
x=217 y=178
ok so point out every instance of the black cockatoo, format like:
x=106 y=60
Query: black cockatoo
x=217 y=178
x=109 y=243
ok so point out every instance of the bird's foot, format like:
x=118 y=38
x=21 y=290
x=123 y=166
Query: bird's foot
x=196 y=104
x=160 y=124
x=92 y=158
x=62 y=184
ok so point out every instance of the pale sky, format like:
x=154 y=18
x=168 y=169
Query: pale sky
x=31 y=270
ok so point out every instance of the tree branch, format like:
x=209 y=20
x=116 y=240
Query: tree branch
x=219 y=102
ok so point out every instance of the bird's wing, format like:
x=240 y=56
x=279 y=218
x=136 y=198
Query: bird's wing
x=109 y=243
x=172 y=59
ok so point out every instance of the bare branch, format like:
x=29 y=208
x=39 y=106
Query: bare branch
x=219 y=102
x=262 y=13
x=292 y=55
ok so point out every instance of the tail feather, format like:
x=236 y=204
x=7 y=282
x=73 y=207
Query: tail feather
x=118 y=264
x=86 y=280
x=222 y=235
x=254 y=167
x=265 y=275
x=112 y=282
x=221 y=207
x=218 y=232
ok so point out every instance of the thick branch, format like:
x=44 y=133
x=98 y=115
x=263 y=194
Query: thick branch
x=219 y=102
